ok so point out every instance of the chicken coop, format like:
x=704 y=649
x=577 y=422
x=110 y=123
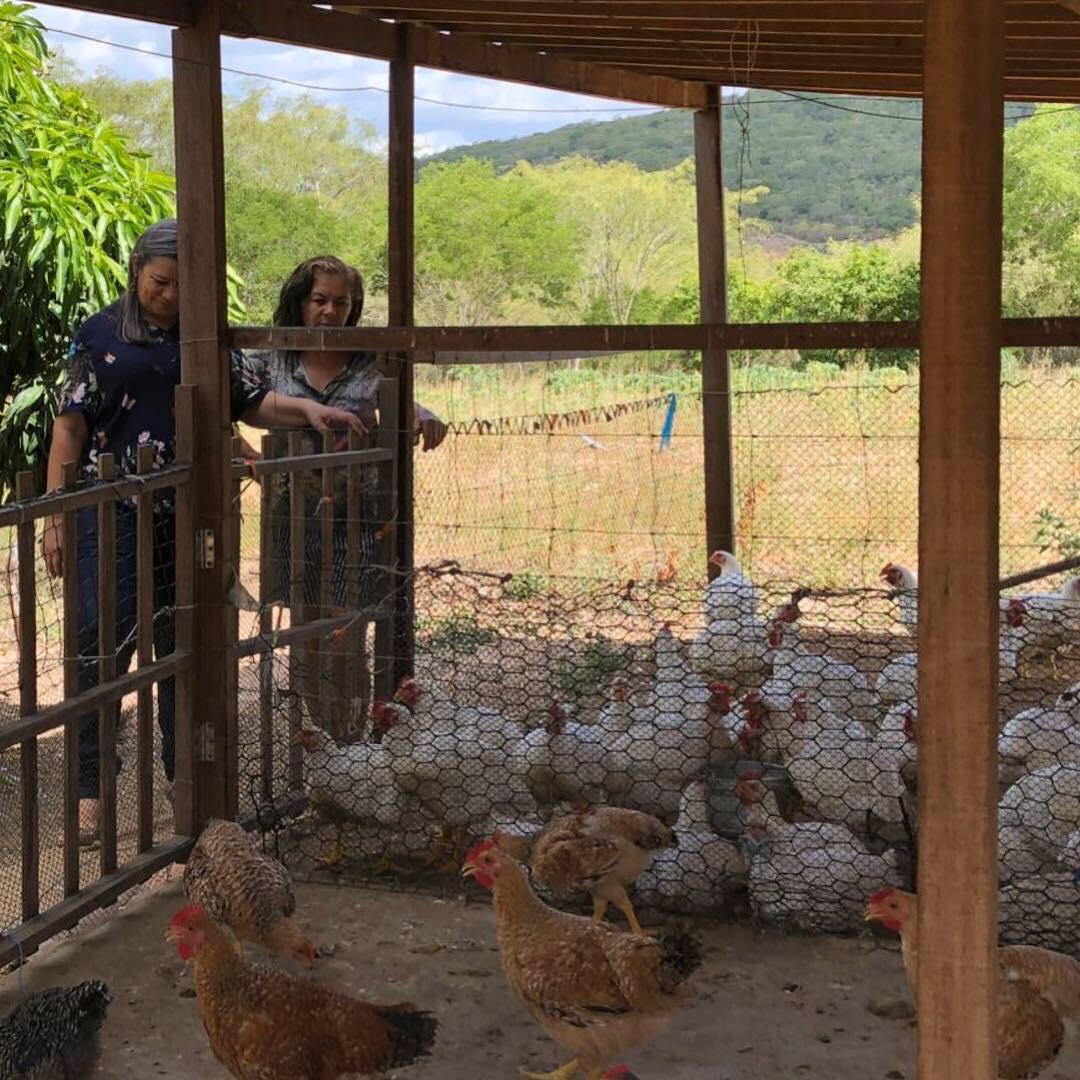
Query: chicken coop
x=803 y=742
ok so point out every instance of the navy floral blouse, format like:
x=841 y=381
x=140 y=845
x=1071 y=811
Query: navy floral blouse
x=125 y=391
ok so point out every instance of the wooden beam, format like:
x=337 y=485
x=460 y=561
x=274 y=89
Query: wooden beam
x=1019 y=333
x=715 y=368
x=959 y=446
x=401 y=639
x=166 y=12
x=204 y=359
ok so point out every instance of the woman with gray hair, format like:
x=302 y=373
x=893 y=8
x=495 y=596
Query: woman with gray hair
x=123 y=368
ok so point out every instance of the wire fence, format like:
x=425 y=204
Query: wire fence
x=570 y=658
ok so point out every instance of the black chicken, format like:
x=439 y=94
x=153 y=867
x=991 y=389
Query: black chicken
x=53 y=1034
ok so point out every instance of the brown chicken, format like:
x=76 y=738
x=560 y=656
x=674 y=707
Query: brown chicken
x=248 y=891
x=600 y=850
x=1038 y=989
x=595 y=990
x=264 y=1024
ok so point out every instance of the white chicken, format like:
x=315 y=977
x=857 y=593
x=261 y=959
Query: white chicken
x=731 y=593
x=808 y=875
x=795 y=667
x=1036 y=817
x=906 y=590
x=694 y=876
x=559 y=761
x=898 y=680
x=1041 y=736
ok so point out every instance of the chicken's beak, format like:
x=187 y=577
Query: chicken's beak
x=871 y=914
x=170 y=934
x=469 y=869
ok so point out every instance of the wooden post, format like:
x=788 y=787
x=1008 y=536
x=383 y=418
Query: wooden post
x=107 y=646
x=715 y=369
x=144 y=591
x=268 y=566
x=400 y=300
x=28 y=750
x=69 y=474
x=958 y=538
x=204 y=358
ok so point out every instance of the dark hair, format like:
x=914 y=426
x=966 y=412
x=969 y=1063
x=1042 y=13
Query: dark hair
x=297 y=289
x=156 y=242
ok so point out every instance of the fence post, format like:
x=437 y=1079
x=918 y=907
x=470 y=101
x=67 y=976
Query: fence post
x=200 y=199
x=715 y=368
x=69 y=476
x=959 y=446
x=402 y=181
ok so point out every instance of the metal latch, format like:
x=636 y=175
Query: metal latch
x=204 y=742
x=204 y=549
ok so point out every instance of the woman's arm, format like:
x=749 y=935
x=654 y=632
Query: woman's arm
x=69 y=434
x=279 y=411
x=428 y=427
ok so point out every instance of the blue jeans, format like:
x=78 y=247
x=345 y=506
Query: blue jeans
x=164 y=585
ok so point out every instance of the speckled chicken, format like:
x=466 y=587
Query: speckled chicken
x=1038 y=989
x=265 y=1024
x=600 y=850
x=595 y=990
x=54 y=1034
x=247 y=890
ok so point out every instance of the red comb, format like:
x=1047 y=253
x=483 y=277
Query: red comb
x=480 y=848
x=192 y=911
x=752 y=774
x=882 y=894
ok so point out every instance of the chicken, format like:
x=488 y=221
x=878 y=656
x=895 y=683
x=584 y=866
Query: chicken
x=1036 y=816
x=247 y=890
x=600 y=850
x=1039 y=737
x=595 y=990
x=810 y=875
x=264 y=1024
x=1038 y=990
x=695 y=875
x=731 y=593
x=54 y=1034
x=906 y=590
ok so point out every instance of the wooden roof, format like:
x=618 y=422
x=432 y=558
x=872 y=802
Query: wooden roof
x=844 y=46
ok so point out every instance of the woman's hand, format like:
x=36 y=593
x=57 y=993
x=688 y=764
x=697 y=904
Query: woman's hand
x=323 y=417
x=52 y=545
x=429 y=428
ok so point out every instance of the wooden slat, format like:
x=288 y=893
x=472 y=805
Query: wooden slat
x=268 y=569
x=719 y=476
x=386 y=550
x=401 y=297
x=107 y=644
x=959 y=441
x=69 y=477
x=18 y=513
x=185 y=796
x=166 y=12
x=28 y=752
x=305 y=462
x=144 y=651
x=25 y=939
x=329 y=692
x=92 y=700
x=204 y=362
x=309 y=631
x=358 y=674
x=1019 y=333
x=300 y=680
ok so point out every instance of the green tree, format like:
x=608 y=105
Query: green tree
x=483 y=241
x=73 y=199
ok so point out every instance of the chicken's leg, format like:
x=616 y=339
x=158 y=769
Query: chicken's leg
x=627 y=909
x=599 y=906
x=337 y=851
x=565 y=1072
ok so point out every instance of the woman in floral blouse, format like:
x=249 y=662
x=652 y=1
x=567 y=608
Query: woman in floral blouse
x=325 y=291
x=124 y=365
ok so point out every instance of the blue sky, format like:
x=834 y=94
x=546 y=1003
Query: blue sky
x=437 y=126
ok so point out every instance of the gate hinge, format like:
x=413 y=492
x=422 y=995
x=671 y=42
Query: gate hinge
x=204 y=549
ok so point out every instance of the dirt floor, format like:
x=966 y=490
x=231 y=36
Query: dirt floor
x=767 y=1006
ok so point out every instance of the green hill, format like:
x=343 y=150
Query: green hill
x=831 y=172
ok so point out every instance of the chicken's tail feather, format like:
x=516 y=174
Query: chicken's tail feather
x=680 y=952
x=412 y=1033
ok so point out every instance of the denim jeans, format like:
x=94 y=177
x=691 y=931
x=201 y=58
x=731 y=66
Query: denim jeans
x=164 y=585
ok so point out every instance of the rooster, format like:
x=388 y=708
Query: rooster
x=1038 y=989
x=265 y=1023
x=248 y=891
x=54 y=1033
x=602 y=850
x=595 y=990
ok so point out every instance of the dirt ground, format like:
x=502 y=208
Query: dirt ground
x=767 y=1006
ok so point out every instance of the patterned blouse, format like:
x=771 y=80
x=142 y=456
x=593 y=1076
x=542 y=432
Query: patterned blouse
x=125 y=391
x=355 y=389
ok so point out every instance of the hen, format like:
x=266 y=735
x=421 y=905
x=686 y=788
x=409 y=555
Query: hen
x=595 y=990
x=248 y=891
x=264 y=1024
x=1038 y=990
x=54 y=1033
x=601 y=850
